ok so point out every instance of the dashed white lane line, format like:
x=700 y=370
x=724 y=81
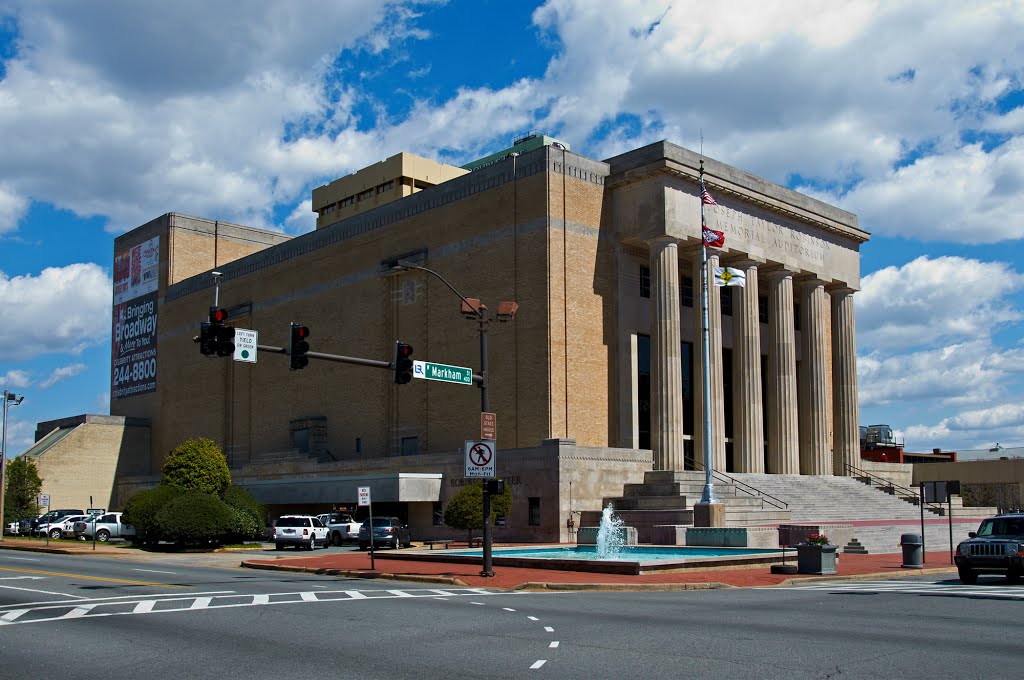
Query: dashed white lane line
x=479 y=603
x=533 y=618
x=549 y=629
x=155 y=571
x=21 y=559
x=554 y=644
x=537 y=664
x=508 y=609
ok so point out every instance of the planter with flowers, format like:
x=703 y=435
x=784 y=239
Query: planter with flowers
x=816 y=555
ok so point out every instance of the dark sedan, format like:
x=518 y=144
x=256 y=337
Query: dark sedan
x=387 y=531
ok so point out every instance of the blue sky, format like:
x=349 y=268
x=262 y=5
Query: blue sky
x=909 y=114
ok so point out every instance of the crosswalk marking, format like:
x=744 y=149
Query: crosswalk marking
x=915 y=587
x=148 y=604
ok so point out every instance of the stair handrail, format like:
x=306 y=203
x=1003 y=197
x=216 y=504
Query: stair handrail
x=743 y=486
x=882 y=482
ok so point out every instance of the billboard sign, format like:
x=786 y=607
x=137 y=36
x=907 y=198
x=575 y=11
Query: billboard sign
x=133 y=352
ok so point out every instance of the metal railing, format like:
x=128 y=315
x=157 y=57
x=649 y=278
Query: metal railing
x=892 y=488
x=743 y=486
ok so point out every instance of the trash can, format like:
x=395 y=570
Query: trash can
x=912 y=551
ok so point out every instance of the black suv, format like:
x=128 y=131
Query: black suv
x=997 y=547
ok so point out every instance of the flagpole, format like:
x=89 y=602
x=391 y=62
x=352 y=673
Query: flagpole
x=708 y=496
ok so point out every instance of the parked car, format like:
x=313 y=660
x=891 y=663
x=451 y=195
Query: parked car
x=302 y=531
x=11 y=529
x=105 y=527
x=60 y=528
x=26 y=525
x=51 y=516
x=997 y=547
x=341 y=527
x=388 y=531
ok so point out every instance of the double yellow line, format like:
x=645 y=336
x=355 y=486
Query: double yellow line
x=92 y=578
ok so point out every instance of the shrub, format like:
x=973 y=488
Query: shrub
x=197 y=465
x=465 y=511
x=195 y=518
x=142 y=508
x=247 y=514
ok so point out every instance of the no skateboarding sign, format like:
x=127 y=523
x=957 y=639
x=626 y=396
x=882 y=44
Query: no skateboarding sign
x=480 y=458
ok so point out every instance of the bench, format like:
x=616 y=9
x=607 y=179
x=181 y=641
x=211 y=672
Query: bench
x=476 y=542
x=439 y=541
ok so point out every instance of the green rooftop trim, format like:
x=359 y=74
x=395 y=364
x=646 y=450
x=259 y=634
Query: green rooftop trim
x=529 y=144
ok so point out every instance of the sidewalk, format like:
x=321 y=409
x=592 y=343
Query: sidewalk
x=357 y=565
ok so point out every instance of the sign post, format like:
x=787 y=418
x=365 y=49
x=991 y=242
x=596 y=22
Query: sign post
x=364 y=501
x=245 y=345
x=44 y=500
x=480 y=459
x=426 y=370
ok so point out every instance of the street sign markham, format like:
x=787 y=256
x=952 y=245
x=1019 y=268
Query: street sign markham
x=245 y=345
x=364 y=496
x=480 y=458
x=443 y=372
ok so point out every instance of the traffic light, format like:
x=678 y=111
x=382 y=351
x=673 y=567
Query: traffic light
x=216 y=337
x=297 y=346
x=207 y=339
x=403 y=363
x=223 y=336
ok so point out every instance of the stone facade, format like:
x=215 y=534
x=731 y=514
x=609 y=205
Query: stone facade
x=591 y=360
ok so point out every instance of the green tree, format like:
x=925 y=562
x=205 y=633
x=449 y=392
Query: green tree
x=23 y=486
x=195 y=518
x=197 y=465
x=465 y=511
x=141 y=510
x=247 y=514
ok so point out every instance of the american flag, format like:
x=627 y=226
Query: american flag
x=705 y=197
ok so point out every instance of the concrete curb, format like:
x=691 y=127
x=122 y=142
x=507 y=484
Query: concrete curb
x=626 y=587
x=58 y=551
x=440 y=580
x=837 y=578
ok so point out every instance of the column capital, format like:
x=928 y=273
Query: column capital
x=663 y=241
x=741 y=262
x=810 y=280
x=774 y=273
x=840 y=289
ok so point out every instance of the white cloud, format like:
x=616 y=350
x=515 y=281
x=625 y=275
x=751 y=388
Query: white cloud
x=929 y=301
x=12 y=208
x=62 y=310
x=302 y=219
x=62 y=373
x=15 y=379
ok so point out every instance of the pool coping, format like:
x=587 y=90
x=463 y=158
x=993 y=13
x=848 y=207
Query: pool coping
x=626 y=567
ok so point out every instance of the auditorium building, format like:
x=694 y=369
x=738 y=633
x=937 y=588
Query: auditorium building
x=594 y=374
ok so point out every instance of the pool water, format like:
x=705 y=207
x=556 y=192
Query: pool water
x=630 y=554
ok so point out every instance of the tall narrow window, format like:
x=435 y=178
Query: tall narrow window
x=762 y=309
x=410 y=446
x=534 y=510
x=796 y=316
x=645 y=281
x=643 y=390
x=686 y=291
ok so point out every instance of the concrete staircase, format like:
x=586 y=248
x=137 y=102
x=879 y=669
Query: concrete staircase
x=879 y=518
x=667 y=497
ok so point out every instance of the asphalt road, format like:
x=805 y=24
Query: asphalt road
x=64 y=616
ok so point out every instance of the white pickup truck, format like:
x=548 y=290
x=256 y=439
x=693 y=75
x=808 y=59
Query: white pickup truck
x=341 y=527
x=105 y=527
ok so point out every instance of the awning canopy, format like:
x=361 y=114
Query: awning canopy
x=384 y=488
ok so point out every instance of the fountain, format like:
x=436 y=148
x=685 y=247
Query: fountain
x=611 y=535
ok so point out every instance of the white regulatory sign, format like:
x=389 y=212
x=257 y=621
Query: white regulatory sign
x=364 y=496
x=44 y=500
x=480 y=458
x=245 y=345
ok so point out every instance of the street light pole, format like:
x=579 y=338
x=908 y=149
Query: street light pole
x=10 y=399
x=480 y=312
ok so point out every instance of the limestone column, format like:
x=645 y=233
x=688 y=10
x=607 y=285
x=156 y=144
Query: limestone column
x=815 y=397
x=748 y=414
x=783 y=428
x=846 y=417
x=666 y=357
x=717 y=405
